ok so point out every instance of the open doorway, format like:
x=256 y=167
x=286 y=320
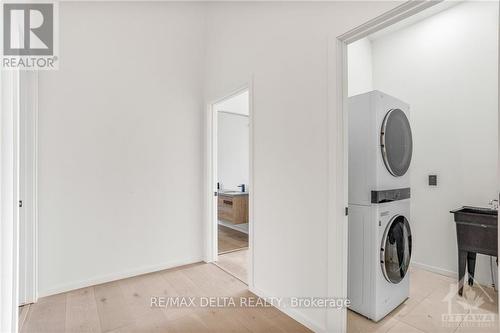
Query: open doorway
x=422 y=128
x=231 y=177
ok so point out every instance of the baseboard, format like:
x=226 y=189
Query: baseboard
x=115 y=276
x=436 y=270
x=293 y=313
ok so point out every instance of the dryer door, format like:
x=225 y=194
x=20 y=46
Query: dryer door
x=396 y=142
x=395 y=250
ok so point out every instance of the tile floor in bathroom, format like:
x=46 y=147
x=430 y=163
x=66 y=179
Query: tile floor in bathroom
x=423 y=311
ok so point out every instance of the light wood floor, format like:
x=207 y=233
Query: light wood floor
x=423 y=311
x=231 y=240
x=124 y=306
x=23 y=314
x=235 y=263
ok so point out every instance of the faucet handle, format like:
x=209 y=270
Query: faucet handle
x=494 y=204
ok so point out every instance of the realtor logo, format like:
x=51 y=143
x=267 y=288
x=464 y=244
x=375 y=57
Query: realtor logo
x=28 y=29
x=29 y=36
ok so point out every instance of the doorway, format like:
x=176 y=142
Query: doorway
x=230 y=195
x=410 y=249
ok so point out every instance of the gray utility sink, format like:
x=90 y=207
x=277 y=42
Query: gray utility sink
x=476 y=215
x=477 y=232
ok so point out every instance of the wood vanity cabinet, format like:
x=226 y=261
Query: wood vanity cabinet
x=233 y=208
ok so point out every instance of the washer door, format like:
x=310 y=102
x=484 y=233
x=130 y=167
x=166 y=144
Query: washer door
x=396 y=142
x=395 y=250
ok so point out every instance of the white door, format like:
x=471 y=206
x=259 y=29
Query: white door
x=22 y=218
x=27 y=188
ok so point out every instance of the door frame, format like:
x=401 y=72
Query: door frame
x=211 y=234
x=9 y=234
x=338 y=152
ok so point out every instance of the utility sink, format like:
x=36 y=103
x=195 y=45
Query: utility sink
x=477 y=232
x=476 y=215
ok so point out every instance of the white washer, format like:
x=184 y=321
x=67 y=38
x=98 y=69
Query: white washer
x=380 y=145
x=380 y=245
x=380 y=151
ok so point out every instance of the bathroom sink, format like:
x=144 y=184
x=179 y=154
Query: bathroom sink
x=232 y=192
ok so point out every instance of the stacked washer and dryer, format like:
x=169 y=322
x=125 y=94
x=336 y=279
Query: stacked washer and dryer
x=380 y=241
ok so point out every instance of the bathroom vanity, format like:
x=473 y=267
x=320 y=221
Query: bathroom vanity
x=477 y=232
x=233 y=207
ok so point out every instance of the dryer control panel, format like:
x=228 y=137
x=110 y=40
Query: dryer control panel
x=390 y=195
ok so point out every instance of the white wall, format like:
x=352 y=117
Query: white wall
x=232 y=150
x=120 y=133
x=445 y=67
x=359 y=67
x=121 y=146
x=284 y=48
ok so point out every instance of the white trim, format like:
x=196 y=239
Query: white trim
x=117 y=276
x=498 y=155
x=389 y=18
x=210 y=211
x=435 y=269
x=251 y=187
x=9 y=233
x=293 y=313
x=211 y=178
x=35 y=190
x=29 y=150
x=337 y=153
x=336 y=320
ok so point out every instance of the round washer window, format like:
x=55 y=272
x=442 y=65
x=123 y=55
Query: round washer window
x=396 y=142
x=395 y=251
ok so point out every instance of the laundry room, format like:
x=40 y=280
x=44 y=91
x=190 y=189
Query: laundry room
x=423 y=170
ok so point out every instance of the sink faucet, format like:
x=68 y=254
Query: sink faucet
x=242 y=187
x=494 y=204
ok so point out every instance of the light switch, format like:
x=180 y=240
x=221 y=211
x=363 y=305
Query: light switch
x=433 y=180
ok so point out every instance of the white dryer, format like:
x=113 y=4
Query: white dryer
x=380 y=245
x=380 y=146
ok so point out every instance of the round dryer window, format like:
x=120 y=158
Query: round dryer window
x=396 y=142
x=395 y=250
